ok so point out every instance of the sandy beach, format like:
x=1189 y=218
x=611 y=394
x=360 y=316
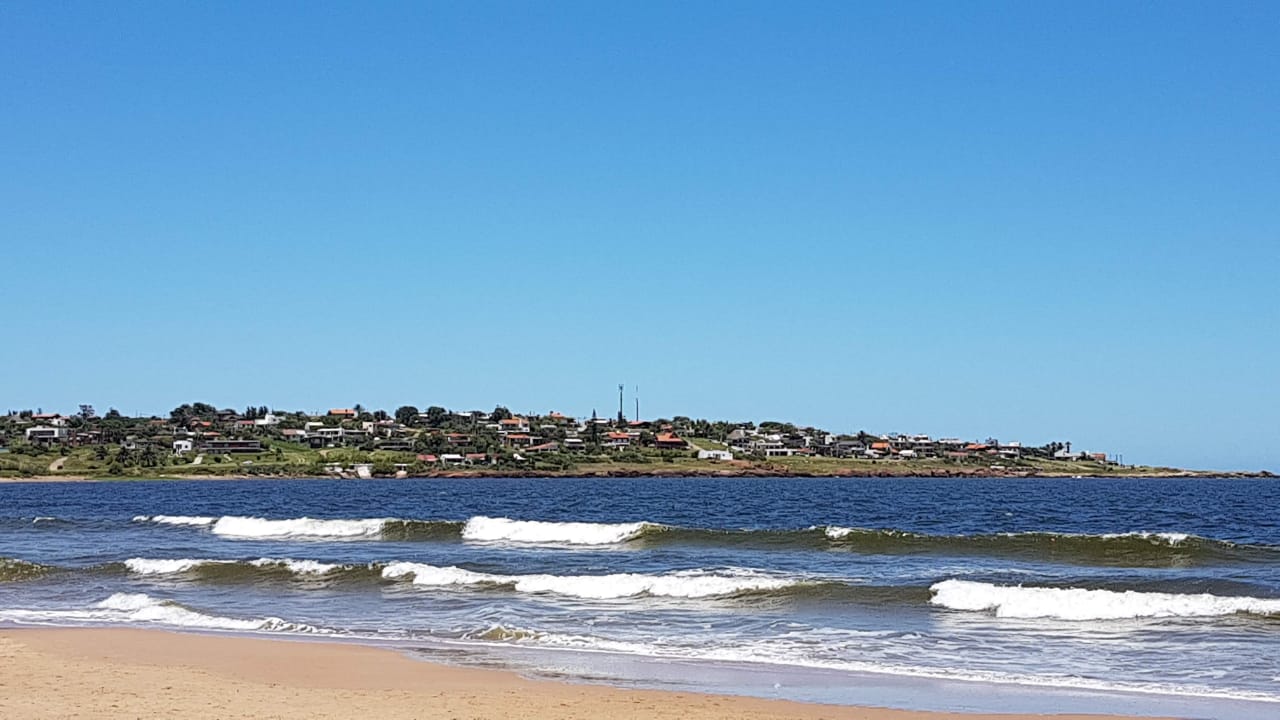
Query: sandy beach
x=125 y=673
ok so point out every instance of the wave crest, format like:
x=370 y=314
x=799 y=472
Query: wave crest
x=490 y=529
x=1014 y=601
x=683 y=584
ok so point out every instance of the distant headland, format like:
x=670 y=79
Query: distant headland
x=200 y=440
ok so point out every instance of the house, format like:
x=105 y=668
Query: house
x=574 y=443
x=232 y=446
x=473 y=458
x=44 y=434
x=848 y=448
x=182 y=447
x=669 y=441
x=544 y=447
x=457 y=439
x=452 y=459
x=343 y=413
x=1098 y=457
x=715 y=455
x=428 y=458
x=50 y=419
x=520 y=439
x=513 y=425
x=294 y=435
x=1011 y=450
x=617 y=440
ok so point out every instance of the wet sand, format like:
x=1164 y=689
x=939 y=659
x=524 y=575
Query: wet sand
x=127 y=673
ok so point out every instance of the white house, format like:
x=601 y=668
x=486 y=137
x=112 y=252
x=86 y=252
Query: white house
x=44 y=433
x=715 y=455
x=182 y=447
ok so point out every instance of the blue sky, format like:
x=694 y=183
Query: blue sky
x=1035 y=221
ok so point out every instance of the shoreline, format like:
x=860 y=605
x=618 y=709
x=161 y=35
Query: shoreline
x=659 y=473
x=115 y=672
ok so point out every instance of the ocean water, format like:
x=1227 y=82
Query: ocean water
x=1143 y=596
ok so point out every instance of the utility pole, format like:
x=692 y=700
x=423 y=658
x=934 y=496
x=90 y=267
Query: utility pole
x=621 y=418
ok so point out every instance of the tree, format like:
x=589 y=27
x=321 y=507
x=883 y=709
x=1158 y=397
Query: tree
x=112 y=414
x=593 y=432
x=407 y=415
x=499 y=413
x=86 y=412
x=436 y=416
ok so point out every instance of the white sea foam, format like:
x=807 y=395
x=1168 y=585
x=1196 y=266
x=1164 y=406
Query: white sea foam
x=142 y=608
x=151 y=566
x=298 y=567
x=835 y=532
x=684 y=584
x=190 y=520
x=254 y=527
x=489 y=529
x=1171 y=538
x=773 y=652
x=1081 y=604
x=432 y=575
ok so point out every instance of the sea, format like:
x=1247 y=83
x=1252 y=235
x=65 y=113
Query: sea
x=1139 y=596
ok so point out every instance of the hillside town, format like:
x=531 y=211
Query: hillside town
x=360 y=441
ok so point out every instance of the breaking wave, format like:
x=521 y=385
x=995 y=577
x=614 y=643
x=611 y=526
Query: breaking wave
x=189 y=520
x=1132 y=549
x=683 y=584
x=131 y=608
x=13 y=569
x=1013 y=601
x=251 y=570
x=489 y=529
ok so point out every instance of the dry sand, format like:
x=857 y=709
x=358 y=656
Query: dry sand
x=125 y=673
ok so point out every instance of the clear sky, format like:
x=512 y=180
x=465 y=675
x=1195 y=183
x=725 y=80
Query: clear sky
x=1034 y=221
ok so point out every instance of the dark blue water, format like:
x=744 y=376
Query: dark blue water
x=1163 y=588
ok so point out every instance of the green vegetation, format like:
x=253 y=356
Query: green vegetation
x=200 y=440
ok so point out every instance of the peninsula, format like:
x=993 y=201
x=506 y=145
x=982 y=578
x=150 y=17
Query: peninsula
x=201 y=440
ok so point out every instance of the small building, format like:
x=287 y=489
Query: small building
x=715 y=455
x=343 y=413
x=617 y=440
x=182 y=447
x=669 y=441
x=45 y=435
x=514 y=425
x=233 y=446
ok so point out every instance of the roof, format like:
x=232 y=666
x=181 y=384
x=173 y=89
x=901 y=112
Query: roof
x=879 y=446
x=618 y=436
x=342 y=411
x=669 y=437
